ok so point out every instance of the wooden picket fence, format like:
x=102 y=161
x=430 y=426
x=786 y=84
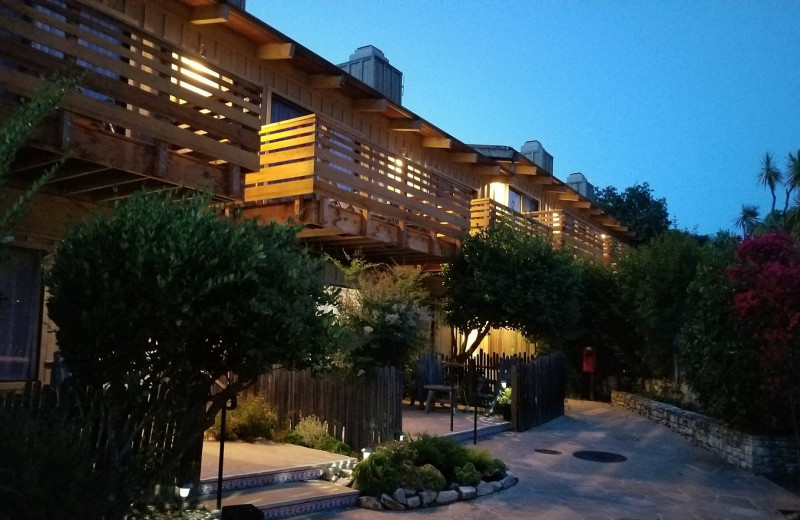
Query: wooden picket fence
x=363 y=411
x=538 y=390
x=538 y=385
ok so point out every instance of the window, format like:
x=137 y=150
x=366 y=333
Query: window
x=283 y=109
x=20 y=308
x=529 y=204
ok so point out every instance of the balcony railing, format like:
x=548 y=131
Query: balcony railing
x=562 y=227
x=486 y=212
x=309 y=157
x=138 y=84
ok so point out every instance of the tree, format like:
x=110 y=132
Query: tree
x=636 y=208
x=654 y=280
x=791 y=177
x=161 y=300
x=747 y=219
x=769 y=176
x=385 y=314
x=15 y=129
x=766 y=299
x=720 y=359
x=504 y=279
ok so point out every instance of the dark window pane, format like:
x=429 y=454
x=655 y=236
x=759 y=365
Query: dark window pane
x=20 y=305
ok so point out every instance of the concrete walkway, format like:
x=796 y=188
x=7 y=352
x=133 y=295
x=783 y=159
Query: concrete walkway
x=663 y=477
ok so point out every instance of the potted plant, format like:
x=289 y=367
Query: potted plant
x=504 y=403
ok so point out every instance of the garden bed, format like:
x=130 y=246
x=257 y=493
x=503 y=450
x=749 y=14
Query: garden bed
x=761 y=454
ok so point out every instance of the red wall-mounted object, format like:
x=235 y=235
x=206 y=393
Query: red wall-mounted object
x=588 y=360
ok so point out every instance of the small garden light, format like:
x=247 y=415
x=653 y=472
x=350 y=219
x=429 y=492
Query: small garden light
x=365 y=453
x=503 y=384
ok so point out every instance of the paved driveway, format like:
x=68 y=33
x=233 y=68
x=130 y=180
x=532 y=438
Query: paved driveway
x=664 y=477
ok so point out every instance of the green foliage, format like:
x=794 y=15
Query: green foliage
x=378 y=474
x=487 y=465
x=312 y=430
x=425 y=478
x=46 y=468
x=252 y=419
x=161 y=299
x=292 y=437
x=605 y=325
x=646 y=216
x=15 y=128
x=443 y=453
x=653 y=281
x=467 y=475
x=504 y=279
x=720 y=360
x=504 y=398
x=333 y=445
x=384 y=314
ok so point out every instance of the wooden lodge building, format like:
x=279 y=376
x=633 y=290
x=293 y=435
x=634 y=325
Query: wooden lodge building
x=201 y=95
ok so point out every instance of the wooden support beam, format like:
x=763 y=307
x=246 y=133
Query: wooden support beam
x=235 y=190
x=370 y=105
x=487 y=170
x=569 y=195
x=208 y=14
x=66 y=122
x=525 y=169
x=437 y=142
x=326 y=80
x=160 y=162
x=464 y=157
x=275 y=51
x=406 y=125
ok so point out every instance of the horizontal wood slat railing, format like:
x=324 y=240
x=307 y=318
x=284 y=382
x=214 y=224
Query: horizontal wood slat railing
x=487 y=211
x=137 y=83
x=572 y=232
x=311 y=156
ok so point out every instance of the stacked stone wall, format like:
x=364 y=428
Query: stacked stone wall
x=761 y=454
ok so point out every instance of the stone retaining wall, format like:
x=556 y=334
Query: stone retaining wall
x=758 y=453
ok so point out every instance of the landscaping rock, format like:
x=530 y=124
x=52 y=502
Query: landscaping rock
x=390 y=503
x=399 y=496
x=428 y=497
x=410 y=492
x=485 y=488
x=496 y=485
x=467 y=492
x=509 y=481
x=370 y=503
x=446 y=497
x=414 y=502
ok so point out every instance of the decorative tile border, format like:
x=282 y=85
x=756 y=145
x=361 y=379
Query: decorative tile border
x=254 y=480
x=311 y=506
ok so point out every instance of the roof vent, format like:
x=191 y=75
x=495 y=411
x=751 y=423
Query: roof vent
x=577 y=181
x=370 y=66
x=534 y=151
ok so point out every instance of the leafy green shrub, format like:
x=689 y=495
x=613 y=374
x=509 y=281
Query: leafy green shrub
x=488 y=466
x=333 y=445
x=378 y=474
x=292 y=437
x=443 y=453
x=504 y=397
x=399 y=451
x=251 y=420
x=425 y=478
x=312 y=430
x=468 y=475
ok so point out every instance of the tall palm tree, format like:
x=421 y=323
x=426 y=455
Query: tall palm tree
x=747 y=219
x=791 y=176
x=769 y=176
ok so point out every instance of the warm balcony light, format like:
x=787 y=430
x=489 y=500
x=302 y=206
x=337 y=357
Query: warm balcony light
x=196 y=71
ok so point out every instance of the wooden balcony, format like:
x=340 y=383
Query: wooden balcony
x=355 y=196
x=149 y=114
x=487 y=211
x=562 y=227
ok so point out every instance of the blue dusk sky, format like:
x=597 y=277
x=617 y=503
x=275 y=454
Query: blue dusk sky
x=685 y=95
